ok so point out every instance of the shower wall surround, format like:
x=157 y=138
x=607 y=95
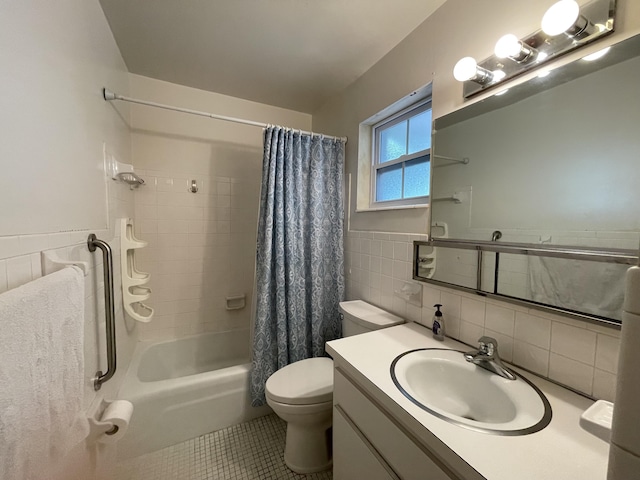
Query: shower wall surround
x=580 y=355
x=201 y=245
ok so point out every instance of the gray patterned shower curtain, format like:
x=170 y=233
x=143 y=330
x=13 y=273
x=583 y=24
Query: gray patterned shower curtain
x=300 y=258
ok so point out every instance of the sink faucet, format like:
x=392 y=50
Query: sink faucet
x=487 y=357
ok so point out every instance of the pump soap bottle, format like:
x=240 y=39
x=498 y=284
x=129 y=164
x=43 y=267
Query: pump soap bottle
x=438 y=324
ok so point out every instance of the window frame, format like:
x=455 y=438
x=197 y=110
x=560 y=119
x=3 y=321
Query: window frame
x=388 y=122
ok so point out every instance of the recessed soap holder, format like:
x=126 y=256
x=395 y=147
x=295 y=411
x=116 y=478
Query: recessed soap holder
x=236 y=302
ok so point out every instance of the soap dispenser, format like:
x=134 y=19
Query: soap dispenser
x=438 y=324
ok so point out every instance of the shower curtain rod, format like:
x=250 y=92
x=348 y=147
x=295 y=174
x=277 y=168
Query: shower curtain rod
x=110 y=96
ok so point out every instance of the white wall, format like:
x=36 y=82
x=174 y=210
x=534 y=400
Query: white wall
x=55 y=62
x=459 y=28
x=56 y=58
x=202 y=245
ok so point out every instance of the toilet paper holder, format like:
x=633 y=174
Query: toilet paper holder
x=98 y=426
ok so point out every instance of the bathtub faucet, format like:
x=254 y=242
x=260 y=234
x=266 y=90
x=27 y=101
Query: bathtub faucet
x=487 y=357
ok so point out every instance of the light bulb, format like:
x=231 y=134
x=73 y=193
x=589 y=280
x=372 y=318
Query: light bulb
x=507 y=46
x=465 y=69
x=498 y=75
x=560 y=17
x=597 y=55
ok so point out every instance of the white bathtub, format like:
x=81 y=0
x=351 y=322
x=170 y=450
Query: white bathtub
x=184 y=388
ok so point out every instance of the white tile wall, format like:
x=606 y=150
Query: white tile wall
x=20 y=263
x=201 y=249
x=580 y=355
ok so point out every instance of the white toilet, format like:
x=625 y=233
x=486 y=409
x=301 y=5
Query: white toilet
x=302 y=393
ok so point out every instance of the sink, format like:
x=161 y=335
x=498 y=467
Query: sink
x=444 y=384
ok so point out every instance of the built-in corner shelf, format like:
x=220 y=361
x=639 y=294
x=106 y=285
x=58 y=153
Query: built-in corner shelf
x=427 y=261
x=134 y=293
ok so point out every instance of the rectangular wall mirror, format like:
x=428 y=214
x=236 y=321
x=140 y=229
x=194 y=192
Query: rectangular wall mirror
x=554 y=168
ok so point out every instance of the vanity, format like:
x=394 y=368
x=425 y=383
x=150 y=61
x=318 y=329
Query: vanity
x=379 y=433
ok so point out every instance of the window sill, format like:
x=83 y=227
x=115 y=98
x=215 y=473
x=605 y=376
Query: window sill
x=394 y=207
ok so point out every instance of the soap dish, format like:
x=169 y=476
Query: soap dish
x=597 y=419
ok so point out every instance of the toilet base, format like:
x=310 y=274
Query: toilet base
x=308 y=450
x=308 y=443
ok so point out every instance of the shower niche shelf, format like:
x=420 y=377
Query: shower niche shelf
x=134 y=292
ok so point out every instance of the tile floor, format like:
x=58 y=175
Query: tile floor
x=248 y=451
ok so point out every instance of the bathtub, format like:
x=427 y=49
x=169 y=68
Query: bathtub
x=184 y=388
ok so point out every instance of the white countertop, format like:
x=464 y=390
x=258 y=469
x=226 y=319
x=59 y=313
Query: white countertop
x=561 y=451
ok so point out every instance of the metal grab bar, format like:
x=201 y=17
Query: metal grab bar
x=107 y=267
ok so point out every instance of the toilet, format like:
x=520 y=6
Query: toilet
x=302 y=393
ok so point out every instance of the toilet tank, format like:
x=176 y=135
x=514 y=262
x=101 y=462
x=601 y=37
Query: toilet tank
x=361 y=317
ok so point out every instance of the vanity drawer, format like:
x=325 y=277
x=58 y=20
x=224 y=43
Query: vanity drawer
x=353 y=456
x=406 y=458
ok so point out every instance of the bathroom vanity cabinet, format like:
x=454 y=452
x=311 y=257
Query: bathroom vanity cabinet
x=369 y=444
x=380 y=434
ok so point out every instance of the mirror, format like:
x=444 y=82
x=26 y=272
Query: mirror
x=553 y=163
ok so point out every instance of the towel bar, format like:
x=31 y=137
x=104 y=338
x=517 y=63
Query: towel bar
x=110 y=318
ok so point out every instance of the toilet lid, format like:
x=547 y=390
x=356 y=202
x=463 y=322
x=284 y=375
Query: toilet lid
x=302 y=383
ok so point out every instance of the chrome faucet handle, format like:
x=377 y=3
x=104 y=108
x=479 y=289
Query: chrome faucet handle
x=488 y=346
x=487 y=357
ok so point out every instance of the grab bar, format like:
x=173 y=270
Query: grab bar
x=110 y=318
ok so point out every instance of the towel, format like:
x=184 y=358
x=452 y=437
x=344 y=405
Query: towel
x=41 y=374
x=591 y=287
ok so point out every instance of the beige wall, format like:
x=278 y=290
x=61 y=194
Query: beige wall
x=459 y=28
x=378 y=244
x=202 y=245
x=56 y=58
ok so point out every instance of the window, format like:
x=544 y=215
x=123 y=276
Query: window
x=401 y=155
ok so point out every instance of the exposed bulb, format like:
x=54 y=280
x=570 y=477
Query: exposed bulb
x=507 y=46
x=498 y=75
x=597 y=55
x=465 y=69
x=560 y=17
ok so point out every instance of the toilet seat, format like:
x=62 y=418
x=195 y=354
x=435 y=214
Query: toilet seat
x=304 y=382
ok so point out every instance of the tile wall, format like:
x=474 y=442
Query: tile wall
x=201 y=249
x=580 y=355
x=20 y=263
x=202 y=246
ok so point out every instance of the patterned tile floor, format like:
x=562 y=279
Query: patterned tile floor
x=248 y=451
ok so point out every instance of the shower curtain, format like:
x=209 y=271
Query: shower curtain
x=300 y=259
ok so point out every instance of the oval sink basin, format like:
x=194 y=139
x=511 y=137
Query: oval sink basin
x=443 y=383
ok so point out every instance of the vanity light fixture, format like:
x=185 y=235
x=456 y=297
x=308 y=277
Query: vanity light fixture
x=467 y=69
x=564 y=17
x=498 y=75
x=566 y=26
x=509 y=46
x=595 y=56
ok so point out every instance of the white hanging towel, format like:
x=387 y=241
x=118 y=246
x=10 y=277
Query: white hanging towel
x=41 y=374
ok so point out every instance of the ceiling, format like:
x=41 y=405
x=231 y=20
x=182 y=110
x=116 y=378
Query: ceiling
x=290 y=53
